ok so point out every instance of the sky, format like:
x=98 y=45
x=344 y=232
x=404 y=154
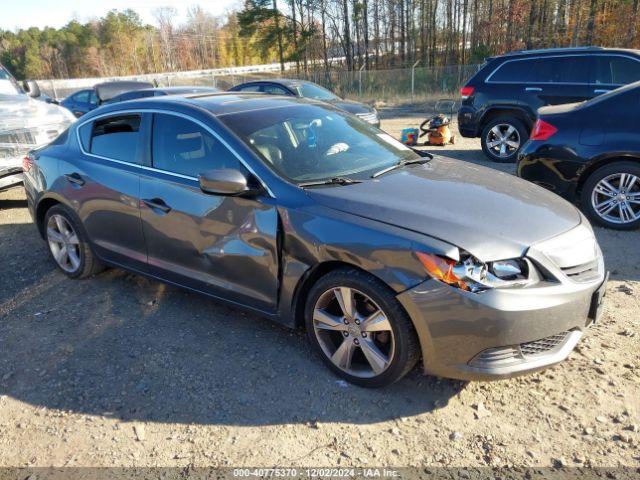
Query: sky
x=40 y=13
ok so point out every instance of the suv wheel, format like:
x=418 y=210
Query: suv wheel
x=502 y=138
x=359 y=328
x=611 y=196
x=68 y=244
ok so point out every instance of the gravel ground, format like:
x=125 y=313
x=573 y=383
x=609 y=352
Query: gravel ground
x=119 y=370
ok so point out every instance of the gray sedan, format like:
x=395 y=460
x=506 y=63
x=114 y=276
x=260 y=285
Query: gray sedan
x=316 y=219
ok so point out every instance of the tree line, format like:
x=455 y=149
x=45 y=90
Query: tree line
x=317 y=34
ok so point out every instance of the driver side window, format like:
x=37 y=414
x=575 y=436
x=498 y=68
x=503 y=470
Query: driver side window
x=184 y=147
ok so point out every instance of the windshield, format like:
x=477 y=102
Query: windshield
x=316 y=92
x=311 y=143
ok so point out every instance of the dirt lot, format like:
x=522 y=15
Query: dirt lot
x=121 y=370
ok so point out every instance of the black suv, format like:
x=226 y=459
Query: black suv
x=499 y=103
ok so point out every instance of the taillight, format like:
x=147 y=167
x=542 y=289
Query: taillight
x=542 y=130
x=27 y=163
x=467 y=91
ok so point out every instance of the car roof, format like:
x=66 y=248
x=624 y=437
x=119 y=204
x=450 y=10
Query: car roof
x=222 y=103
x=562 y=51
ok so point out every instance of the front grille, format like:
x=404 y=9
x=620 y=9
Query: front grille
x=368 y=117
x=543 y=345
x=505 y=356
x=585 y=272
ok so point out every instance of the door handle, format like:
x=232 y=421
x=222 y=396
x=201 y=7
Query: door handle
x=157 y=204
x=600 y=90
x=75 y=178
x=533 y=89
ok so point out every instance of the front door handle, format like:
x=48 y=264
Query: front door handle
x=75 y=178
x=157 y=204
x=600 y=90
x=533 y=89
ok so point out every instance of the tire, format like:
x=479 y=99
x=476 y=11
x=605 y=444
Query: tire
x=504 y=124
x=593 y=193
x=63 y=229
x=393 y=345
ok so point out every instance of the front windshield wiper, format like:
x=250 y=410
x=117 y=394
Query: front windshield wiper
x=330 y=181
x=400 y=164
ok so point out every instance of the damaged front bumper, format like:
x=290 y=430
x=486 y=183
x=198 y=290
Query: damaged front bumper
x=503 y=332
x=499 y=333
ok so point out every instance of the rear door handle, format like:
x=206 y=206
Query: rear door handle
x=533 y=89
x=75 y=178
x=156 y=204
x=600 y=90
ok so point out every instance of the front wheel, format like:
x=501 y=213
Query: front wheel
x=359 y=329
x=611 y=196
x=502 y=138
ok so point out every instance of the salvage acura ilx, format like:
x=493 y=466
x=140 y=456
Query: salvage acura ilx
x=312 y=217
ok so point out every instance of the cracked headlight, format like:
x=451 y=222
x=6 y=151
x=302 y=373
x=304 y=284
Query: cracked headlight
x=472 y=275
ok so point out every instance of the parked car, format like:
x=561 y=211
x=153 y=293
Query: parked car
x=298 y=211
x=81 y=102
x=499 y=103
x=8 y=84
x=305 y=89
x=25 y=124
x=84 y=101
x=590 y=153
x=161 y=91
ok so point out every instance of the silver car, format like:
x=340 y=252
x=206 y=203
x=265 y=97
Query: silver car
x=25 y=124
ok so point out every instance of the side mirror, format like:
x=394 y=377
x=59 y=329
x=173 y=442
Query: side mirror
x=226 y=181
x=32 y=88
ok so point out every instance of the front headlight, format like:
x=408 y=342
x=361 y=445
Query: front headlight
x=472 y=275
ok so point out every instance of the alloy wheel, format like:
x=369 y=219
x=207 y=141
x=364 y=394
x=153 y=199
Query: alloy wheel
x=353 y=332
x=616 y=198
x=64 y=243
x=503 y=140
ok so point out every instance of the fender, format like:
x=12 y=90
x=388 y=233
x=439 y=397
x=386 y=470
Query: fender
x=524 y=109
x=313 y=244
x=602 y=159
x=47 y=200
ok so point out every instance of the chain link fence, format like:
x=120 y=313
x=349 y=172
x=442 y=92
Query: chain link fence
x=394 y=86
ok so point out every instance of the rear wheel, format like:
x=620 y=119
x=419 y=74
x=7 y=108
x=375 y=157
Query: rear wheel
x=502 y=138
x=68 y=244
x=359 y=328
x=611 y=196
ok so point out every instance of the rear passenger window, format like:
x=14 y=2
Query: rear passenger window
x=182 y=146
x=570 y=69
x=117 y=138
x=85 y=136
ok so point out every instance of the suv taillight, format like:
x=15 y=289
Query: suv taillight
x=542 y=130
x=467 y=91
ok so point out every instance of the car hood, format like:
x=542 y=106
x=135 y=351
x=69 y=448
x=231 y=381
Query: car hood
x=490 y=214
x=350 y=106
